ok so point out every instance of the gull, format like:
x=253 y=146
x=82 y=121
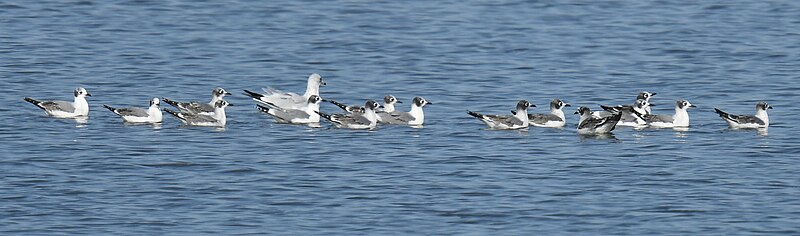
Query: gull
x=415 y=117
x=289 y=100
x=760 y=120
x=63 y=109
x=388 y=108
x=199 y=107
x=645 y=109
x=217 y=119
x=644 y=95
x=503 y=122
x=631 y=115
x=592 y=125
x=555 y=119
x=680 y=119
x=294 y=116
x=367 y=120
x=139 y=115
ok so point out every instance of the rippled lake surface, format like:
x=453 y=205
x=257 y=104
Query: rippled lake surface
x=451 y=177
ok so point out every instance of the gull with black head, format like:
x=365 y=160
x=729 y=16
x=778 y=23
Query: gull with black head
x=200 y=107
x=415 y=117
x=139 y=115
x=589 y=124
x=79 y=107
x=368 y=120
x=217 y=119
x=679 y=120
x=519 y=120
x=294 y=116
x=759 y=120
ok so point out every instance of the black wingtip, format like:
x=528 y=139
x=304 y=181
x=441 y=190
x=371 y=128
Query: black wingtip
x=323 y=115
x=170 y=102
x=109 y=107
x=173 y=113
x=475 y=114
x=253 y=94
x=34 y=102
x=344 y=107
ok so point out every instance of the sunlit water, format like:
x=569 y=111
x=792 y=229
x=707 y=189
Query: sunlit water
x=451 y=177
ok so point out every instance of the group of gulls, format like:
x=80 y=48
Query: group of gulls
x=292 y=108
x=637 y=115
x=284 y=107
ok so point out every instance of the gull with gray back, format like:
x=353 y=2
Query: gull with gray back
x=217 y=119
x=200 y=107
x=306 y=115
x=759 y=120
x=79 y=107
x=507 y=122
x=139 y=115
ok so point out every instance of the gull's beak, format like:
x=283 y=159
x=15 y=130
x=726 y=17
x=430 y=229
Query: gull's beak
x=567 y=105
x=429 y=103
x=693 y=106
x=769 y=107
x=652 y=94
x=230 y=104
x=322 y=82
x=398 y=101
x=380 y=106
x=228 y=94
x=88 y=94
x=652 y=105
x=532 y=105
x=325 y=100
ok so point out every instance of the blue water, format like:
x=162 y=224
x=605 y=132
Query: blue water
x=451 y=177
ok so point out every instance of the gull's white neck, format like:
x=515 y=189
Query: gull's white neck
x=522 y=114
x=311 y=89
x=81 y=105
x=312 y=110
x=762 y=114
x=155 y=113
x=681 y=117
x=419 y=116
x=389 y=107
x=558 y=112
x=219 y=115
x=371 y=116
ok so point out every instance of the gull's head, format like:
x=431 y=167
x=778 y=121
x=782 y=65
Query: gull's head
x=371 y=105
x=420 y=102
x=641 y=103
x=219 y=92
x=558 y=104
x=684 y=105
x=645 y=95
x=222 y=104
x=763 y=106
x=314 y=99
x=316 y=79
x=583 y=111
x=390 y=99
x=523 y=105
x=155 y=102
x=81 y=92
